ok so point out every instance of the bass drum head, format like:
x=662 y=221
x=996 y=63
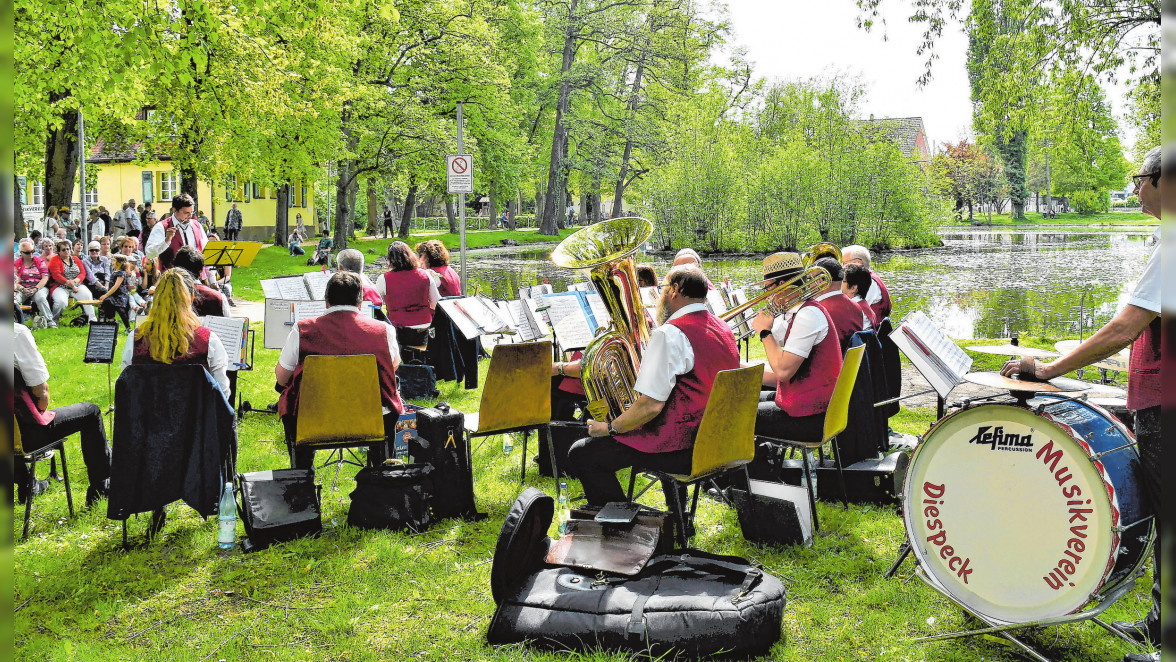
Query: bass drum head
x=1007 y=514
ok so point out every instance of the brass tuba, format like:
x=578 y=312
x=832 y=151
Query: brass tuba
x=610 y=363
x=818 y=251
x=784 y=296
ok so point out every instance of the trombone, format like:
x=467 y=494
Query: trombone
x=783 y=296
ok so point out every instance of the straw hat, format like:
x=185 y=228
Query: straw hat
x=781 y=265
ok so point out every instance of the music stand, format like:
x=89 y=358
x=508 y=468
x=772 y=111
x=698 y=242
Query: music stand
x=230 y=253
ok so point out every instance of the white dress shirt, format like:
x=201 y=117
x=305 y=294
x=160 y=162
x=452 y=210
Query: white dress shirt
x=218 y=360
x=192 y=235
x=866 y=325
x=667 y=356
x=874 y=295
x=27 y=359
x=809 y=327
x=1147 y=291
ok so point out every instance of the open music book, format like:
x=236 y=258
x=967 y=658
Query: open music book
x=941 y=362
x=534 y=291
x=301 y=287
x=475 y=316
x=572 y=318
x=523 y=319
x=233 y=333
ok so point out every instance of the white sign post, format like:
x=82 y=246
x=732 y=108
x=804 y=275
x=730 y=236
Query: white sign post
x=459 y=172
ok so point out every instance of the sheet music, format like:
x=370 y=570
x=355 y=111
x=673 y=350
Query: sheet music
x=467 y=326
x=599 y=310
x=649 y=296
x=293 y=289
x=277 y=322
x=952 y=355
x=580 y=287
x=714 y=301
x=568 y=321
x=937 y=358
x=535 y=318
x=518 y=313
x=740 y=324
x=484 y=313
x=232 y=332
x=269 y=288
x=316 y=283
x=304 y=310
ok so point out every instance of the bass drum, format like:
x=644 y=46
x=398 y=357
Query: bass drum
x=1022 y=513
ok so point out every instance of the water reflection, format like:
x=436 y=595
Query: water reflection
x=983 y=283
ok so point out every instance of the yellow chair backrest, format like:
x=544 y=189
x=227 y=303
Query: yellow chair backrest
x=518 y=387
x=837 y=415
x=726 y=436
x=17 y=444
x=339 y=400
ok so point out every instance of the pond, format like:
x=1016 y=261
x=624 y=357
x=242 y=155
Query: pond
x=981 y=284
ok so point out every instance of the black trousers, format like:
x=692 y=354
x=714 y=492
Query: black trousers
x=596 y=460
x=231 y=235
x=771 y=421
x=304 y=457
x=1147 y=433
x=124 y=313
x=84 y=418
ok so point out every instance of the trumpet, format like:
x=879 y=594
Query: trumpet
x=784 y=296
x=818 y=251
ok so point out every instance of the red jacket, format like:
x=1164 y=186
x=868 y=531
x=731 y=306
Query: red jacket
x=57 y=271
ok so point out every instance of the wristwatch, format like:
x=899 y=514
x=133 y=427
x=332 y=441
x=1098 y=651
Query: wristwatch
x=611 y=430
x=764 y=334
x=560 y=368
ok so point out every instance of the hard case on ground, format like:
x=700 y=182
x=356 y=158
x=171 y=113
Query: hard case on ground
x=441 y=442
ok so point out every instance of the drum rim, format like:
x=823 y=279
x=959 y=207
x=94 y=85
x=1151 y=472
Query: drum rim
x=1104 y=479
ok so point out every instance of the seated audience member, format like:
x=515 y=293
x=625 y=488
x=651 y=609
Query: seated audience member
x=35 y=236
x=804 y=359
x=294 y=241
x=878 y=297
x=104 y=247
x=322 y=252
x=99 y=269
x=856 y=283
x=847 y=318
x=117 y=299
x=41 y=426
x=32 y=275
x=351 y=261
x=340 y=331
x=205 y=300
x=47 y=249
x=66 y=273
x=172 y=335
x=677 y=372
x=410 y=294
x=646 y=276
x=433 y=255
x=148 y=280
x=690 y=256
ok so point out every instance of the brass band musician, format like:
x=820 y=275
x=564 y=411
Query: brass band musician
x=877 y=297
x=688 y=256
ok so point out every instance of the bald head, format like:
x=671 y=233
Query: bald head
x=856 y=254
x=687 y=256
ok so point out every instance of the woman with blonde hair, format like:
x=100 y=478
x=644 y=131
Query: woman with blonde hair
x=172 y=335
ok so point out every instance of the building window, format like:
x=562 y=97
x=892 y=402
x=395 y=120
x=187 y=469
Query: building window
x=256 y=191
x=38 y=193
x=91 y=198
x=304 y=205
x=230 y=186
x=167 y=186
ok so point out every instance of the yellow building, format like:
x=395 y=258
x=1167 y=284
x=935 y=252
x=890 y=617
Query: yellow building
x=121 y=179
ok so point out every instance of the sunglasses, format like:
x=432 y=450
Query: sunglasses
x=1139 y=179
x=26 y=252
x=93 y=250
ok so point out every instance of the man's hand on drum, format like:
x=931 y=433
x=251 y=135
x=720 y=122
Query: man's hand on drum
x=1041 y=371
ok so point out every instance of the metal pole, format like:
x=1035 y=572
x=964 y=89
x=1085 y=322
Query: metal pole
x=84 y=231
x=461 y=200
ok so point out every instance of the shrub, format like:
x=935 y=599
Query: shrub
x=1090 y=202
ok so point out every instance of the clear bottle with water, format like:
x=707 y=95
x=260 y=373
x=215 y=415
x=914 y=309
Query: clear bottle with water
x=226 y=536
x=564 y=511
x=507 y=444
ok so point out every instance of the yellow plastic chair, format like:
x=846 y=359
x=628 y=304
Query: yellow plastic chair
x=836 y=419
x=30 y=459
x=339 y=406
x=516 y=397
x=725 y=440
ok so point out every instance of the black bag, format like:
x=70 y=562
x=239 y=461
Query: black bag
x=689 y=603
x=392 y=496
x=417 y=381
x=563 y=435
x=279 y=505
x=440 y=441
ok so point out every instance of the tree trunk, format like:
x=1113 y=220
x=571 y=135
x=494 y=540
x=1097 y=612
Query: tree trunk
x=540 y=200
x=555 y=171
x=61 y=158
x=282 y=216
x=451 y=214
x=618 y=202
x=409 y=208
x=342 y=210
x=352 y=191
x=189 y=184
x=18 y=209
x=512 y=210
x=372 y=206
x=493 y=204
x=597 y=212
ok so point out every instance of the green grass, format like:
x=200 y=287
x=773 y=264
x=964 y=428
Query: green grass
x=360 y=595
x=275 y=261
x=1072 y=218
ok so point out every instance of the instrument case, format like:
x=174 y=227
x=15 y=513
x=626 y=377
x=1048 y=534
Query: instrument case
x=441 y=442
x=873 y=480
x=394 y=497
x=278 y=505
x=688 y=603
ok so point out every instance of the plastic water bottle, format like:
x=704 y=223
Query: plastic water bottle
x=226 y=536
x=564 y=513
x=507 y=444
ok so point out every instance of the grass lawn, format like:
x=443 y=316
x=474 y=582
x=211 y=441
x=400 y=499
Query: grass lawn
x=358 y=595
x=274 y=261
x=1035 y=218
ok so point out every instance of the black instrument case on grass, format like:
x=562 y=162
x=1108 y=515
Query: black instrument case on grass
x=688 y=603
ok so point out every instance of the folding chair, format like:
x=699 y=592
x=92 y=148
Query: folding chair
x=31 y=460
x=725 y=440
x=339 y=407
x=516 y=397
x=836 y=419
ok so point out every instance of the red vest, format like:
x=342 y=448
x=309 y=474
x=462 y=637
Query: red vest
x=572 y=384
x=167 y=257
x=882 y=308
x=343 y=333
x=674 y=428
x=197 y=351
x=810 y=389
x=407 y=295
x=1143 y=380
x=870 y=314
x=450 y=285
x=846 y=316
x=370 y=294
x=208 y=302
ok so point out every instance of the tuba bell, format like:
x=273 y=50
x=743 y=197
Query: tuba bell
x=818 y=251
x=605 y=251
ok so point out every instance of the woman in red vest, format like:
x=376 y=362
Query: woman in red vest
x=433 y=255
x=172 y=334
x=410 y=294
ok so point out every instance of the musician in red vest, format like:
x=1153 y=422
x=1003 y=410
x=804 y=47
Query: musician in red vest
x=804 y=359
x=433 y=255
x=205 y=300
x=174 y=232
x=351 y=260
x=410 y=293
x=878 y=297
x=341 y=330
x=1137 y=325
x=847 y=317
x=678 y=370
x=172 y=335
x=854 y=285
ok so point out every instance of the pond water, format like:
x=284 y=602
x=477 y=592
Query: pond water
x=981 y=284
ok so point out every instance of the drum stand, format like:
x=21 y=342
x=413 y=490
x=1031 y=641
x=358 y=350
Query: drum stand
x=1006 y=630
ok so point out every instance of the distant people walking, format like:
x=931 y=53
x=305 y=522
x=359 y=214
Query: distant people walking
x=388 y=222
x=233 y=223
